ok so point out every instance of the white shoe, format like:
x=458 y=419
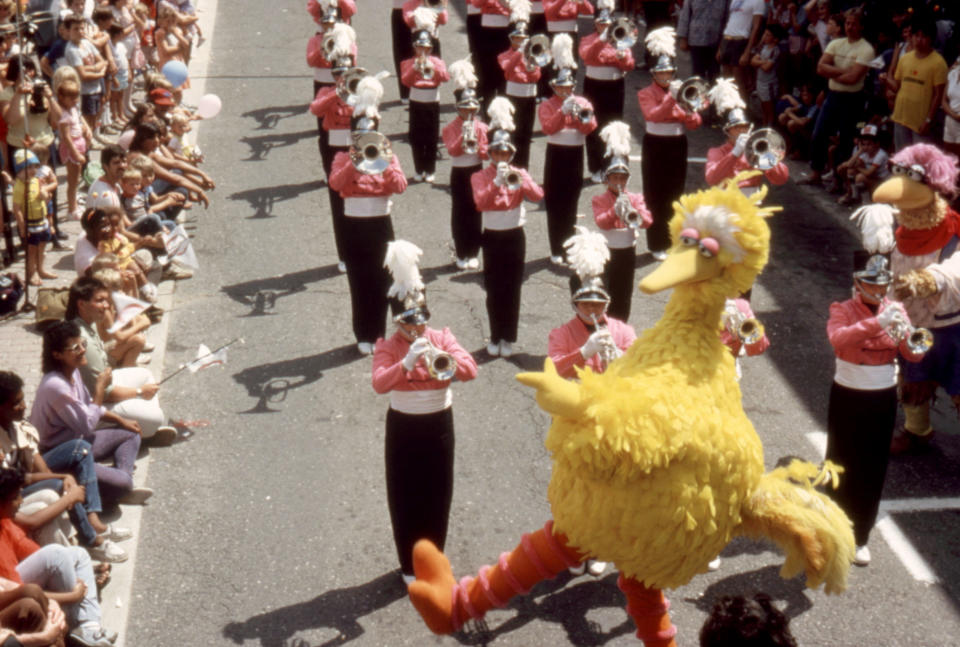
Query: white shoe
x=143 y=360
x=473 y=263
x=597 y=178
x=506 y=349
x=148 y=348
x=557 y=260
x=408 y=579
x=714 y=564
x=107 y=552
x=462 y=263
x=493 y=350
x=429 y=178
x=149 y=292
x=579 y=568
x=137 y=496
x=342 y=267
x=418 y=177
x=596 y=568
x=165 y=436
x=659 y=256
x=117 y=533
x=862 y=556
x=404 y=102
x=365 y=348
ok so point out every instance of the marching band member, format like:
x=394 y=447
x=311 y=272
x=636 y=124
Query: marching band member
x=538 y=25
x=620 y=215
x=664 y=154
x=498 y=192
x=440 y=18
x=603 y=84
x=726 y=161
x=366 y=225
x=330 y=11
x=466 y=154
x=562 y=16
x=344 y=41
x=494 y=38
x=423 y=74
x=863 y=399
x=566 y=120
x=521 y=81
x=473 y=26
x=415 y=366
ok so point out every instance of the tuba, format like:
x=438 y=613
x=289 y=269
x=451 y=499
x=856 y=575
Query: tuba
x=692 y=95
x=536 y=51
x=510 y=176
x=623 y=33
x=765 y=149
x=748 y=330
x=327 y=44
x=625 y=211
x=347 y=90
x=440 y=364
x=371 y=153
x=468 y=136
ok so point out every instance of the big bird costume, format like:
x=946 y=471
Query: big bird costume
x=656 y=466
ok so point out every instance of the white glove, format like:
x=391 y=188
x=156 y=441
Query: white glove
x=675 y=87
x=417 y=349
x=596 y=343
x=740 y=145
x=500 y=179
x=891 y=314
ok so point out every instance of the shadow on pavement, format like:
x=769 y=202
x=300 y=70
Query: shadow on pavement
x=279 y=286
x=263 y=199
x=764 y=580
x=261 y=145
x=268 y=118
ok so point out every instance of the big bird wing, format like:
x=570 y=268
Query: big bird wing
x=812 y=530
x=555 y=395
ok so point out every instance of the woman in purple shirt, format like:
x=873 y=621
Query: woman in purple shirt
x=63 y=410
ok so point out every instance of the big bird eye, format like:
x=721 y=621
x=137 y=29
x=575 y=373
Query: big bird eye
x=688 y=241
x=709 y=247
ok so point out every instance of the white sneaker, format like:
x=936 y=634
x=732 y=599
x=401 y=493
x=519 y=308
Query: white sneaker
x=418 y=177
x=579 y=568
x=404 y=102
x=365 y=348
x=430 y=178
x=462 y=263
x=473 y=263
x=117 y=533
x=165 y=436
x=596 y=568
x=107 y=552
x=862 y=556
x=493 y=350
x=148 y=348
x=143 y=360
x=90 y=635
x=149 y=292
x=137 y=496
x=557 y=260
x=659 y=256
x=714 y=564
x=408 y=579
x=597 y=178
x=506 y=349
x=342 y=267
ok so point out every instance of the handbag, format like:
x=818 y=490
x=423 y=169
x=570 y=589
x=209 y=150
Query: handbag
x=51 y=306
x=11 y=289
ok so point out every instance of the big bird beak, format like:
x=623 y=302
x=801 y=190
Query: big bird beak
x=683 y=265
x=904 y=193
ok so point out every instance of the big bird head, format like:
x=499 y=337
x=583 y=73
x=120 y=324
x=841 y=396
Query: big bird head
x=721 y=242
x=922 y=176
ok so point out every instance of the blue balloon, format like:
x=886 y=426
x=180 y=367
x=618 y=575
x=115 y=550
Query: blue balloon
x=175 y=72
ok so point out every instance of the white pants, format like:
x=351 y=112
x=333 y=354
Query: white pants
x=58 y=530
x=147 y=412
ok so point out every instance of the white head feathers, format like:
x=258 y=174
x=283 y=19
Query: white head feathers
x=344 y=38
x=369 y=93
x=562 y=50
x=616 y=135
x=717 y=222
x=587 y=252
x=463 y=74
x=876 y=227
x=662 y=42
x=501 y=114
x=425 y=18
x=605 y=4
x=725 y=96
x=402 y=259
x=520 y=10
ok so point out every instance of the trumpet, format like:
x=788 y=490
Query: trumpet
x=371 y=153
x=625 y=212
x=441 y=365
x=571 y=107
x=623 y=33
x=692 y=95
x=468 y=136
x=748 y=330
x=424 y=67
x=509 y=176
x=765 y=149
x=536 y=51
x=919 y=340
x=609 y=352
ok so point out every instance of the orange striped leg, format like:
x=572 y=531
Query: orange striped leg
x=649 y=609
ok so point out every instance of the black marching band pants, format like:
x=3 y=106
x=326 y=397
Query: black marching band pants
x=562 y=182
x=323 y=138
x=607 y=99
x=524 y=118
x=365 y=249
x=493 y=41
x=664 y=169
x=419 y=451
x=336 y=202
x=424 y=125
x=465 y=219
x=503 y=255
x=618 y=277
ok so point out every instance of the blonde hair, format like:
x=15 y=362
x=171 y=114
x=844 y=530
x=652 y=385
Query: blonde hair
x=102 y=261
x=65 y=74
x=132 y=173
x=110 y=278
x=178 y=119
x=141 y=10
x=142 y=163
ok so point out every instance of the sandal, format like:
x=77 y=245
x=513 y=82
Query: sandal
x=102 y=575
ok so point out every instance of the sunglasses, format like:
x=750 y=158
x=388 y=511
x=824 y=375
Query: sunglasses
x=915 y=171
x=79 y=347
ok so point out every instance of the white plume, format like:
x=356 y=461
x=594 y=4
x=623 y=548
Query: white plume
x=520 y=10
x=587 y=252
x=616 y=135
x=330 y=4
x=725 y=96
x=425 y=18
x=344 y=37
x=605 y=4
x=463 y=74
x=501 y=114
x=662 y=42
x=562 y=50
x=369 y=93
x=876 y=227
x=402 y=259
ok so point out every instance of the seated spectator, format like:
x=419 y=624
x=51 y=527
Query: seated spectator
x=125 y=345
x=171 y=175
x=138 y=207
x=797 y=117
x=865 y=169
x=28 y=617
x=64 y=573
x=102 y=232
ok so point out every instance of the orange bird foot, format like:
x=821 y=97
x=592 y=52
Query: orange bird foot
x=432 y=592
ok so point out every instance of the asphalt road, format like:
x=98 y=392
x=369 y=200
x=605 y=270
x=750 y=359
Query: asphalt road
x=270 y=524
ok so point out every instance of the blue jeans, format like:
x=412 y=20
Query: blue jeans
x=75 y=457
x=57 y=568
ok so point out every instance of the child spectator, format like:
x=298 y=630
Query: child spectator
x=105 y=234
x=120 y=85
x=74 y=135
x=109 y=261
x=171 y=44
x=147 y=25
x=124 y=18
x=179 y=127
x=865 y=168
x=48 y=183
x=797 y=117
x=100 y=37
x=90 y=65
x=765 y=62
x=135 y=195
x=125 y=345
x=30 y=209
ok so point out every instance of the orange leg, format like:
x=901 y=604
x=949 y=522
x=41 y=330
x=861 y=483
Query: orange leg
x=649 y=609
x=445 y=604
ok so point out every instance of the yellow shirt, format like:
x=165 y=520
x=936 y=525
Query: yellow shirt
x=36 y=213
x=845 y=55
x=918 y=78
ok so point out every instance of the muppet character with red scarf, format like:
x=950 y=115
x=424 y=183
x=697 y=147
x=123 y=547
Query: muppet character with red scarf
x=926 y=268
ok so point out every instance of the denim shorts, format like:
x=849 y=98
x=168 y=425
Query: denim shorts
x=39 y=237
x=90 y=103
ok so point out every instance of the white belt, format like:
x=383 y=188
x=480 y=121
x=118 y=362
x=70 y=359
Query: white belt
x=425 y=95
x=461 y=161
x=494 y=20
x=620 y=238
x=865 y=378
x=665 y=128
x=562 y=25
x=339 y=137
x=473 y=11
x=421 y=401
x=536 y=7
x=521 y=89
x=323 y=74
x=368 y=207
x=604 y=73
x=509 y=219
x=567 y=137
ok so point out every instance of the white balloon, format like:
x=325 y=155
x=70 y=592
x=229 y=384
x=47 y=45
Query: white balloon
x=209 y=106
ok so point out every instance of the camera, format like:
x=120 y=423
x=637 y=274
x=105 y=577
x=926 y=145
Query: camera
x=38 y=102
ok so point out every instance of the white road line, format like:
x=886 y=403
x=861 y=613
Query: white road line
x=819 y=440
x=920 y=505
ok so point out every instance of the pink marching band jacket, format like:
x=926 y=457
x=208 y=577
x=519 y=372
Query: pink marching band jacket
x=411 y=78
x=723 y=164
x=564 y=343
x=487 y=196
x=561 y=10
x=411 y=5
x=452 y=135
x=332 y=109
x=733 y=343
x=858 y=338
x=494 y=7
x=553 y=120
x=618 y=234
x=596 y=52
x=515 y=69
x=348 y=8
x=659 y=106
x=351 y=183
x=390 y=375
